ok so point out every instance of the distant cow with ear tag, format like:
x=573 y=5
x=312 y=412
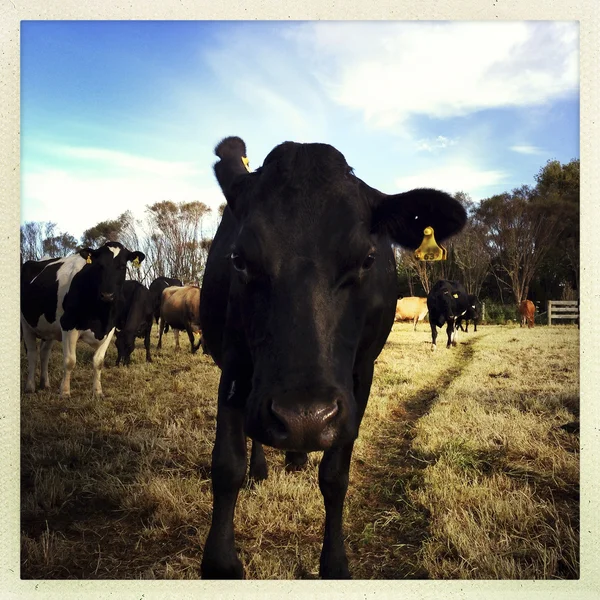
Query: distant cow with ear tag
x=298 y=298
x=74 y=298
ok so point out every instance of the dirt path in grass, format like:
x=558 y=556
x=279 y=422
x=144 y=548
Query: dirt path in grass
x=389 y=528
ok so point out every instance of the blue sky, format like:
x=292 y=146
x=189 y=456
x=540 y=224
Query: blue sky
x=121 y=114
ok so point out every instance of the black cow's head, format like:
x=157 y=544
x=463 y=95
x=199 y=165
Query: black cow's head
x=313 y=282
x=107 y=267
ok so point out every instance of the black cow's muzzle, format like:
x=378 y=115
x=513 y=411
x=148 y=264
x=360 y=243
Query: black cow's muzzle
x=107 y=297
x=302 y=422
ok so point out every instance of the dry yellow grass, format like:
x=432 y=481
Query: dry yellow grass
x=461 y=469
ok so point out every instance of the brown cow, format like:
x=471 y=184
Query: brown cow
x=411 y=308
x=527 y=311
x=180 y=309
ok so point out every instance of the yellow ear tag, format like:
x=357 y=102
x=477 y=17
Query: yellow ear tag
x=88 y=260
x=136 y=262
x=429 y=250
x=246 y=163
x=455 y=295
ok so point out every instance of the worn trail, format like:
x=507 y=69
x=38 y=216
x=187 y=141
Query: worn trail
x=395 y=527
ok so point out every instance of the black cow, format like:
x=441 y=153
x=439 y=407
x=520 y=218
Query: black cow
x=447 y=302
x=71 y=298
x=298 y=298
x=473 y=314
x=156 y=289
x=134 y=319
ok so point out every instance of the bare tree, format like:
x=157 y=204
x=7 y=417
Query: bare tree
x=520 y=232
x=176 y=230
x=40 y=239
x=472 y=257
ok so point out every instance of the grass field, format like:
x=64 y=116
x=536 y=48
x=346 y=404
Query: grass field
x=461 y=470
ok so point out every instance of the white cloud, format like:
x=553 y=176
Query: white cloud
x=452 y=178
x=527 y=149
x=76 y=202
x=438 y=143
x=392 y=71
x=107 y=158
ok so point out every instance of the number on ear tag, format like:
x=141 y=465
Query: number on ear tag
x=429 y=249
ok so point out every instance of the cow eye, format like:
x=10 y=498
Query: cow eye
x=368 y=262
x=239 y=264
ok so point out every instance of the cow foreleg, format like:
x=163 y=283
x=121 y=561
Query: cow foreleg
x=32 y=354
x=69 y=342
x=161 y=328
x=451 y=331
x=258 y=463
x=147 y=341
x=176 y=336
x=45 y=349
x=433 y=335
x=228 y=471
x=333 y=482
x=98 y=363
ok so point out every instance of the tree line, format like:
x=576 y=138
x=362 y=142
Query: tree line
x=516 y=245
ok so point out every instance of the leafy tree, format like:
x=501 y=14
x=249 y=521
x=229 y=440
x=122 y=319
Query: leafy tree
x=558 y=186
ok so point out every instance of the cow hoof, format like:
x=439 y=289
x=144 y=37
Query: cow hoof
x=433 y=346
x=29 y=389
x=258 y=473
x=210 y=569
x=336 y=571
x=454 y=343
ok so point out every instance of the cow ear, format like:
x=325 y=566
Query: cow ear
x=403 y=217
x=136 y=256
x=232 y=170
x=86 y=253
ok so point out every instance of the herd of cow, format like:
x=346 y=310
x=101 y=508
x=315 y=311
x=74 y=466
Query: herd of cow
x=298 y=299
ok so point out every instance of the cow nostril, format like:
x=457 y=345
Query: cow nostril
x=327 y=413
x=107 y=297
x=279 y=425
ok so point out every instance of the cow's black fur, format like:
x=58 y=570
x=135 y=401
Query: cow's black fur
x=447 y=302
x=134 y=319
x=298 y=299
x=473 y=314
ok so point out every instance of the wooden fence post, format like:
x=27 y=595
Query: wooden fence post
x=549 y=312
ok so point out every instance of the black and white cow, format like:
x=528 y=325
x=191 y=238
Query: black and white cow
x=69 y=299
x=447 y=302
x=298 y=299
x=134 y=319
